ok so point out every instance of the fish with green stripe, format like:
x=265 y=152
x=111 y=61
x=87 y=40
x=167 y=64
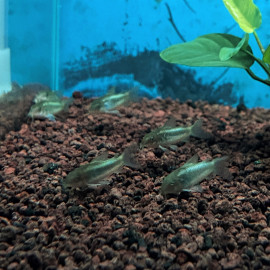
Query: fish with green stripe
x=169 y=134
x=188 y=176
x=96 y=172
x=48 y=109
x=112 y=100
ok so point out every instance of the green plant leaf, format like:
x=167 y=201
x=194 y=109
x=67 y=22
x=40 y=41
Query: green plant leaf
x=266 y=55
x=204 y=52
x=245 y=13
x=226 y=53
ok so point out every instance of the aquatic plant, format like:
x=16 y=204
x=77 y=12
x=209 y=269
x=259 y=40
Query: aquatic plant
x=225 y=50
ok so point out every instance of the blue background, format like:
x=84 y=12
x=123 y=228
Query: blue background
x=69 y=44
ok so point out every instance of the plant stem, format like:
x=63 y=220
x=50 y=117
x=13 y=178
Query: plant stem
x=264 y=66
x=259 y=42
x=253 y=76
x=260 y=62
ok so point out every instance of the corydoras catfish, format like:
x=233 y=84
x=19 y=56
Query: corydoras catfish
x=169 y=134
x=188 y=176
x=47 y=109
x=47 y=95
x=96 y=172
x=112 y=100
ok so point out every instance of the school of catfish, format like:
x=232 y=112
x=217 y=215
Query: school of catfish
x=96 y=173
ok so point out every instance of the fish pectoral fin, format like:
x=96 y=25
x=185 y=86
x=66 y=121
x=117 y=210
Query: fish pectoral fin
x=50 y=117
x=119 y=170
x=163 y=148
x=101 y=183
x=196 y=188
x=114 y=112
x=185 y=139
x=174 y=147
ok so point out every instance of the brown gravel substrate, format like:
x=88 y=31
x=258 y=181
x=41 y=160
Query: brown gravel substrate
x=128 y=224
x=15 y=105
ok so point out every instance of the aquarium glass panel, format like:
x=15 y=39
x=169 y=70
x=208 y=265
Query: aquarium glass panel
x=90 y=46
x=30 y=30
x=117 y=43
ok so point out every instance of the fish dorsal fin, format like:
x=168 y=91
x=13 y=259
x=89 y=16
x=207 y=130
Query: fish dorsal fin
x=192 y=160
x=100 y=158
x=111 y=91
x=170 y=123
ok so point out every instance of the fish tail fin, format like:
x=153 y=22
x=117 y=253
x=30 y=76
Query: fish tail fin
x=64 y=185
x=67 y=103
x=221 y=168
x=129 y=156
x=198 y=131
x=134 y=94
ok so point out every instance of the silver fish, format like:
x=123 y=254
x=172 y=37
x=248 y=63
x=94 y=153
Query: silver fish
x=96 y=172
x=112 y=100
x=189 y=176
x=169 y=134
x=47 y=109
x=46 y=96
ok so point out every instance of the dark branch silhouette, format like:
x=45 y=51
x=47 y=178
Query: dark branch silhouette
x=189 y=7
x=173 y=24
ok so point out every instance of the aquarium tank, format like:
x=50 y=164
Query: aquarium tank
x=90 y=46
x=134 y=134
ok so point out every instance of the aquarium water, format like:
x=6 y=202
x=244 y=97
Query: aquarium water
x=89 y=46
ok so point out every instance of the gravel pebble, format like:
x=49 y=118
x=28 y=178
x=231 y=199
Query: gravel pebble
x=128 y=224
